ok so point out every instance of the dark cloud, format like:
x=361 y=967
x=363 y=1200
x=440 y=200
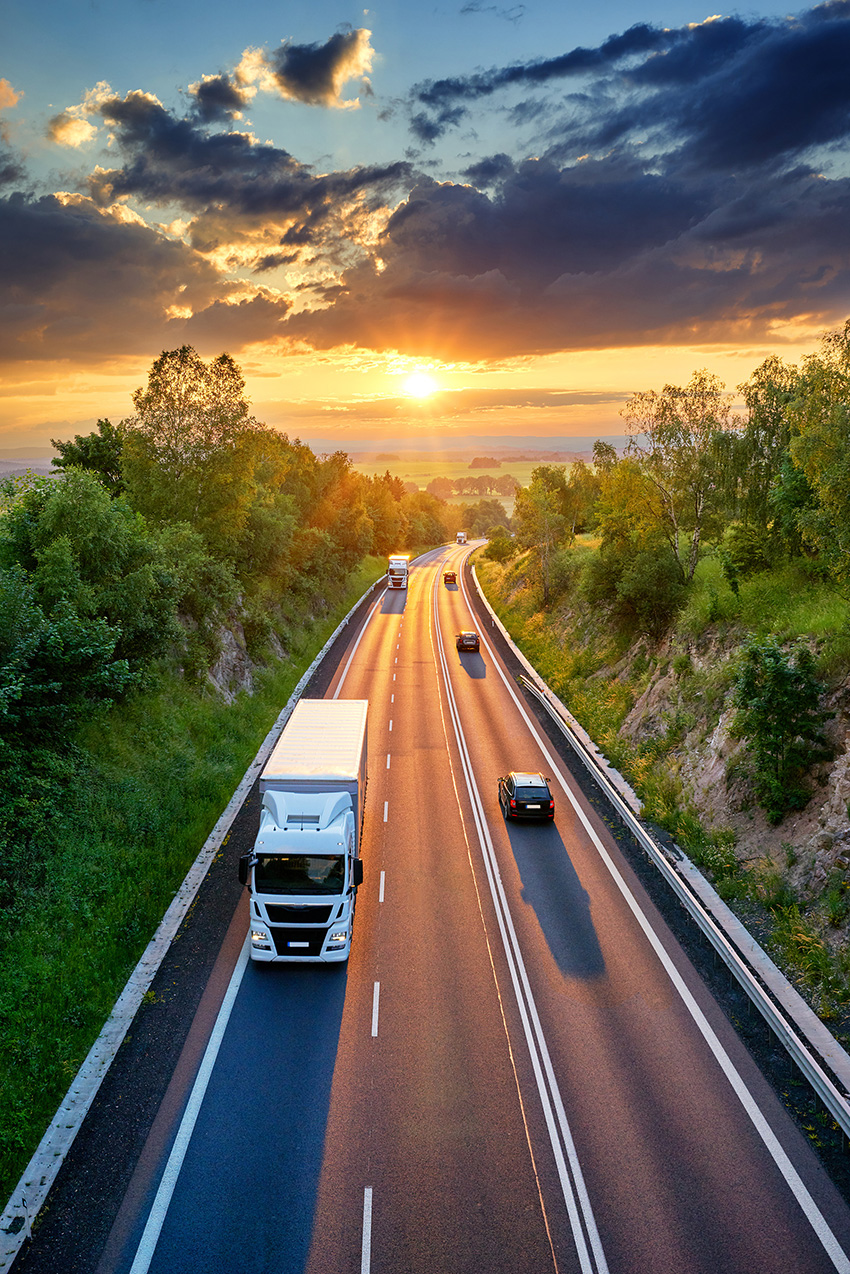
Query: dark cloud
x=726 y=93
x=226 y=181
x=316 y=73
x=600 y=254
x=219 y=98
x=80 y=284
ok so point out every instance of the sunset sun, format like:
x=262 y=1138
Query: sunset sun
x=420 y=385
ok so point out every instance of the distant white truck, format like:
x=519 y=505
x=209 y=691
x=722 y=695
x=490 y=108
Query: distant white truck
x=305 y=867
x=398 y=567
x=461 y=537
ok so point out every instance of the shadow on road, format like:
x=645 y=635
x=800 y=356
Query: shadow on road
x=394 y=602
x=552 y=888
x=472 y=664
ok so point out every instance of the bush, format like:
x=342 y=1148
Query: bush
x=777 y=696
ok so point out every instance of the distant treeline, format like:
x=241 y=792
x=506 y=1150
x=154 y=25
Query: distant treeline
x=484 y=484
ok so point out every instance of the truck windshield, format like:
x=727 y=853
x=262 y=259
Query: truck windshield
x=300 y=874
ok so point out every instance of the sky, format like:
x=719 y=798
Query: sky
x=421 y=226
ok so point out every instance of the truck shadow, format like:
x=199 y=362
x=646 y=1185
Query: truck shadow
x=280 y=1082
x=394 y=602
x=551 y=887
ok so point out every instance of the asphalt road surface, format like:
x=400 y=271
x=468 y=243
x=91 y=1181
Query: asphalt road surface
x=517 y=1070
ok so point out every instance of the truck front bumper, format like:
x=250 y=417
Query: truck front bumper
x=290 y=944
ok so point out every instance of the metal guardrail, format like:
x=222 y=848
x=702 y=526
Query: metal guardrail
x=779 y=1017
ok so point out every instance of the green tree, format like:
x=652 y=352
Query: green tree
x=189 y=451
x=778 y=695
x=540 y=520
x=674 y=442
x=98 y=452
x=820 y=448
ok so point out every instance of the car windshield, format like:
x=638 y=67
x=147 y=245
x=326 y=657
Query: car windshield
x=300 y=874
x=532 y=794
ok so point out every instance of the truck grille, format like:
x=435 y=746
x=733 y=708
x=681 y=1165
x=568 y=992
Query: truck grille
x=298 y=915
x=298 y=942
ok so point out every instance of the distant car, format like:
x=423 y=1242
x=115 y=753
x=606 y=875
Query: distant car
x=467 y=641
x=523 y=795
x=449 y=577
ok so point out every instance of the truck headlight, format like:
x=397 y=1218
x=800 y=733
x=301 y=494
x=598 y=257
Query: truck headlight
x=261 y=940
x=338 y=938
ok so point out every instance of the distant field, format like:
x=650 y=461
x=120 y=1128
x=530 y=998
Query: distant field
x=422 y=471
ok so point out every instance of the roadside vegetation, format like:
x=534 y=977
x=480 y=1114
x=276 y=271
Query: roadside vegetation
x=688 y=600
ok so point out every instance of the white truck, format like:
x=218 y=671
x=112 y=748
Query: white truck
x=461 y=537
x=305 y=867
x=397 y=570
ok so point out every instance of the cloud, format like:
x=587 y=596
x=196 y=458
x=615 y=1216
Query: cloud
x=69 y=130
x=83 y=283
x=598 y=254
x=220 y=97
x=312 y=73
x=726 y=93
x=8 y=96
x=245 y=199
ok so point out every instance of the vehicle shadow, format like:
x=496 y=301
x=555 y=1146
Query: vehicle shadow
x=472 y=664
x=551 y=887
x=283 y=1084
x=395 y=600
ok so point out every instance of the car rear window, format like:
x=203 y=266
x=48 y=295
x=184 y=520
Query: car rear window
x=532 y=793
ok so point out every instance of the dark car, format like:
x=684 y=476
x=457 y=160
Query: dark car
x=524 y=795
x=449 y=577
x=467 y=641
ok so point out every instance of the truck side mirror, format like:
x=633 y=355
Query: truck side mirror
x=357 y=872
x=244 y=865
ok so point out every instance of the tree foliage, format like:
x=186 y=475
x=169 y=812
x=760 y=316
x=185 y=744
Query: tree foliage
x=778 y=696
x=674 y=443
x=98 y=452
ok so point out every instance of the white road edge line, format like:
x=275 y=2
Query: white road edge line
x=571 y=1178
x=792 y=1178
x=366 y=1249
x=156 y=1219
x=376 y=995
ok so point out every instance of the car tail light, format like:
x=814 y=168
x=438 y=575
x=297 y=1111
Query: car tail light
x=513 y=803
x=551 y=805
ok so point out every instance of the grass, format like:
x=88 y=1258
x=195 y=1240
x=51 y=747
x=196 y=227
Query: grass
x=152 y=778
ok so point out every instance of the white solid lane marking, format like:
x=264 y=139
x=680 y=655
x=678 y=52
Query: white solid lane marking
x=386 y=807
x=381 y=889
x=366 y=1250
x=375 y=997
x=150 y=1237
x=336 y=693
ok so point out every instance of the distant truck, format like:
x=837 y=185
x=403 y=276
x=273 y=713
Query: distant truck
x=398 y=567
x=461 y=537
x=305 y=867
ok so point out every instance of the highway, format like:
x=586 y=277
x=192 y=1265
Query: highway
x=518 y=1069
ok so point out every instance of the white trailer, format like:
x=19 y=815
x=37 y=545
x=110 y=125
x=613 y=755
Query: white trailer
x=398 y=567
x=305 y=868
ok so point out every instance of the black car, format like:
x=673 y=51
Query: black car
x=523 y=795
x=467 y=641
x=449 y=577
